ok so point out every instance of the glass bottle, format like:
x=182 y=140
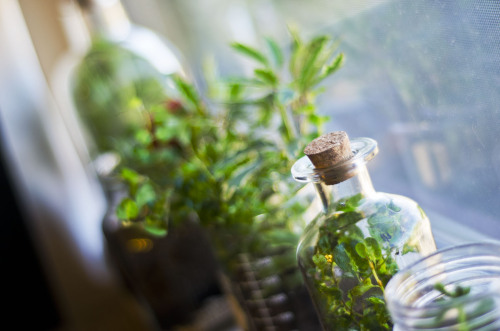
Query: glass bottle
x=456 y=288
x=127 y=69
x=348 y=253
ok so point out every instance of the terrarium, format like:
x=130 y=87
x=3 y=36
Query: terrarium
x=362 y=237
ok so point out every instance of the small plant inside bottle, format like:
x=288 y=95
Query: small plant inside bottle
x=354 y=258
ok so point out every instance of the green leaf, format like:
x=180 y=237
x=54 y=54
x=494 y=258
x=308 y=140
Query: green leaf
x=360 y=289
x=341 y=258
x=308 y=109
x=275 y=51
x=155 y=231
x=385 y=228
x=376 y=300
x=358 y=263
x=361 y=250
x=458 y=290
x=355 y=233
x=130 y=176
x=188 y=91
x=381 y=209
x=164 y=134
x=250 y=52
x=317 y=120
x=309 y=66
x=348 y=218
x=143 y=137
x=297 y=50
x=333 y=292
x=267 y=76
x=127 y=210
x=134 y=103
x=145 y=194
x=319 y=260
x=296 y=40
x=337 y=63
x=155 y=227
x=244 y=173
x=408 y=248
x=485 y=305
x=373 y=249
x=393 y=207
x=235 y=91
x=350 y=204
x=355 y=200
x=378 y=220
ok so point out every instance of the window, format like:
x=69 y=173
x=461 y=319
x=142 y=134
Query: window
x=421 y=77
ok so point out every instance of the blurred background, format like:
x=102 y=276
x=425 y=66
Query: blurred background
x=421 y=77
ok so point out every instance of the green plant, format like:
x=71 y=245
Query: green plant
x=228 y=166
x=223 y=160
x=350 y=270
x=460 y=312
x=107 y=84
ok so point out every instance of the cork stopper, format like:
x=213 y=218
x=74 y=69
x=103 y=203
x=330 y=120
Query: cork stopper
x=329 y=149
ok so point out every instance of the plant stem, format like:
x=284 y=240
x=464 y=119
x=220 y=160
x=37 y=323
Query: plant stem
x=291 y=133
x=374 y=273
x=302 y=102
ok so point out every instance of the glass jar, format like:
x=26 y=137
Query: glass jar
x=457 y=288
x=126 y=69
x=348 y=253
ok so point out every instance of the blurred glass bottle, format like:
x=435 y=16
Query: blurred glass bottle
x=125 y=70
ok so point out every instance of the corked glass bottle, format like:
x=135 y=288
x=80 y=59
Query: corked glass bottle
x=348 y=253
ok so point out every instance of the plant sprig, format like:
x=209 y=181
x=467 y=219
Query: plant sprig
x=222 y=160
x=344 y=255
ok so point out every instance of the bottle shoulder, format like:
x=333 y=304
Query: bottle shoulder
x=387 y=203
x=390 y=218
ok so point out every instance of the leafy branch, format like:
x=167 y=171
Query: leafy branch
x=351 y=270
x=227 y=165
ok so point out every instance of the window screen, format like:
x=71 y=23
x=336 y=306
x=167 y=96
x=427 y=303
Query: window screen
x=422 y=77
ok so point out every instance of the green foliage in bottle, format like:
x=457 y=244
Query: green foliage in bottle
x=351 y=270
x=458 y=310
x=106 y=86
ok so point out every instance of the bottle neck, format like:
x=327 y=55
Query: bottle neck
x=109 y=19
x=360 y=183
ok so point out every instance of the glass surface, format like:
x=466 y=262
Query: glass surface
x=457 y=288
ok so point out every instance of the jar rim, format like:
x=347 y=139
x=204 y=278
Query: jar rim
x=363 y=149
x=451 y=255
